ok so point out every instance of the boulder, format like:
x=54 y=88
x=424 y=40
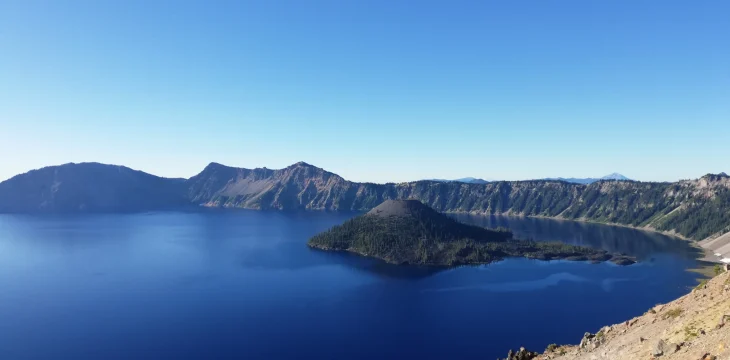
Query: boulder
x=664 y=348
x=587 y=338
x=721 y=323
x=592 y=341
x=658 y=348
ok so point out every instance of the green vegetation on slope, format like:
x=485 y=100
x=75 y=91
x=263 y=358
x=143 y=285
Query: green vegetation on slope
x=701 y=217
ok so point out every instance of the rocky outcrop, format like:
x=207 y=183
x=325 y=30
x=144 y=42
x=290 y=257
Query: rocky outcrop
x=664 y=348
x=522 y=354
x=591 y=341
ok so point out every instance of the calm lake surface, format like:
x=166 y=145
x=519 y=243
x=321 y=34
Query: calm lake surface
x=242 y=284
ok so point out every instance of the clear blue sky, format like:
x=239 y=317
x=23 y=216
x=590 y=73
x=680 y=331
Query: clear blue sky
x=374 y=90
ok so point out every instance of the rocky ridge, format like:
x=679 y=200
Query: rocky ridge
x=695 y=209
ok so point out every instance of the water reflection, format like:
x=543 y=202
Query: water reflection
x=641 y=244
x=518 y=286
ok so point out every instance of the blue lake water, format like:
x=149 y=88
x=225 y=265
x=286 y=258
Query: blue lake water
x=242 y=284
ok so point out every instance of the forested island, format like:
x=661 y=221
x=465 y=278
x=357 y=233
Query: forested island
x=409 y=232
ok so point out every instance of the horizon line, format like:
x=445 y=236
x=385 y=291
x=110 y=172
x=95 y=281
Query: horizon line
x=304 y=163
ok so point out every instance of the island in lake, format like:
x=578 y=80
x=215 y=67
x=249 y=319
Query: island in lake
x=409 y=232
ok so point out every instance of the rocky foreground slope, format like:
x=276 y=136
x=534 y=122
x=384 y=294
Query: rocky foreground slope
x=693 y=327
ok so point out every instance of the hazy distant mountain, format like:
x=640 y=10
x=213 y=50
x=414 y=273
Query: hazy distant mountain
x=615 y=176
x=585 y=181
x=692 y=208
x=471 y=180
x=89 y=187
x=466 y=180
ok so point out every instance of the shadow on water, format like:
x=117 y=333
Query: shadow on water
x=277 y=240
x=380 y=268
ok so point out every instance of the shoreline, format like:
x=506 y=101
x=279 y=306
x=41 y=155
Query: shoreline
x=614 y=258
x=707 y=257
x=581 y=220
x=480 y=213
x=705 y=270
x=507 y=214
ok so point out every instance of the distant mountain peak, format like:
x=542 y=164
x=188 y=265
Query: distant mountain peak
x=302 y=164
x=471 y=180
x=213 y=165
x=466 y=180
x=615 y=176
x=586 y=181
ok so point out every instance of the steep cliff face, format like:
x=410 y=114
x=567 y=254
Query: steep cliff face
x=696 y=209
x=89 y=187
x=534 y=198
x=217 y=181
x=700 y=208
x=303 y=186
x=299 y=186
x=692 y=208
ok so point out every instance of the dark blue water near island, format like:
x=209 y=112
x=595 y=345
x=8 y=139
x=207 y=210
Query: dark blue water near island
x=242 y=284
